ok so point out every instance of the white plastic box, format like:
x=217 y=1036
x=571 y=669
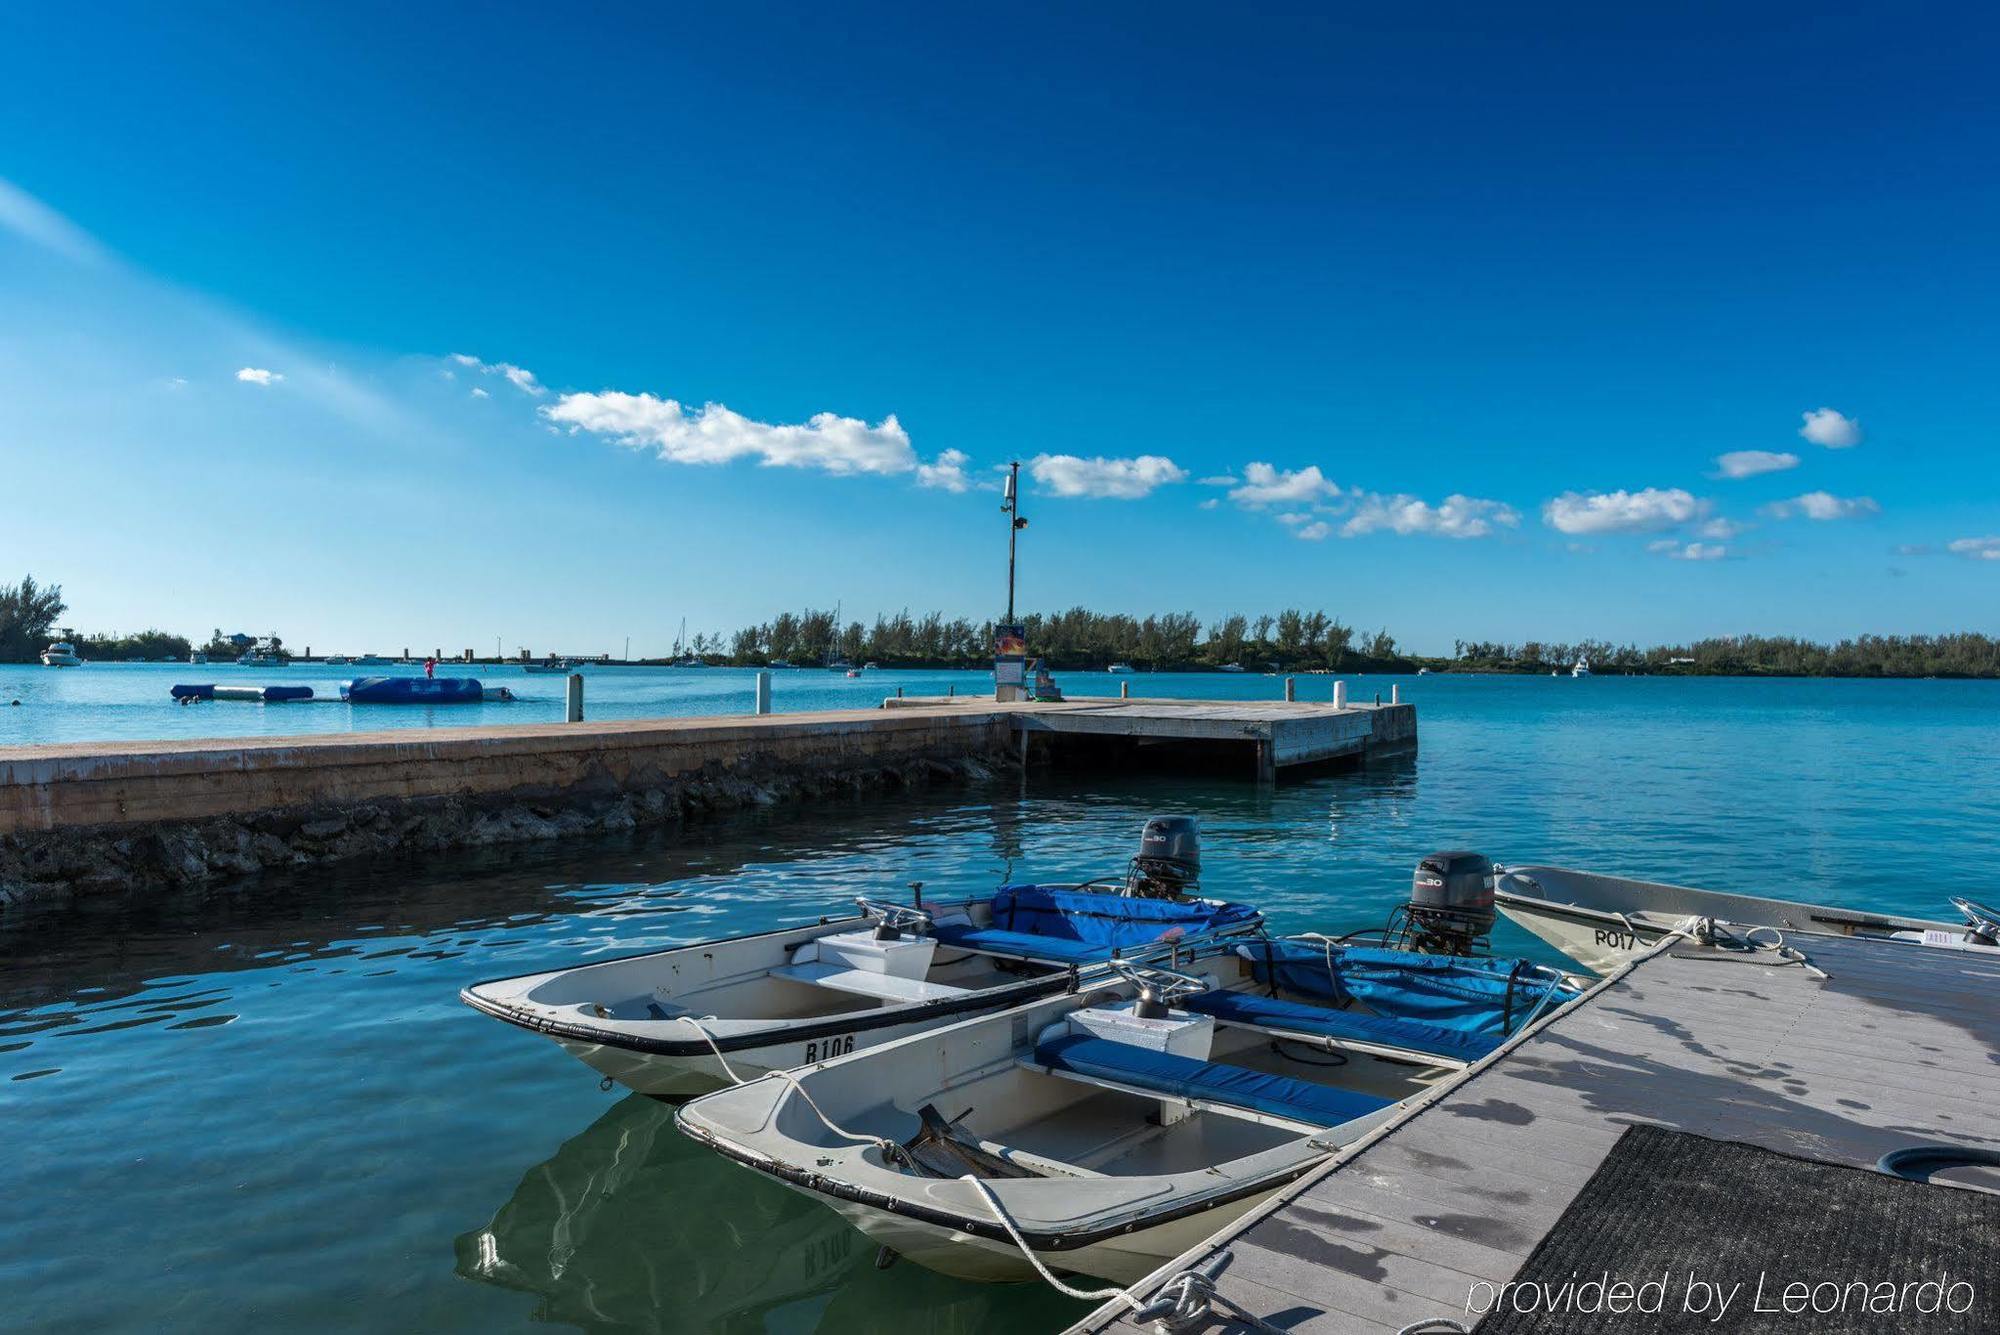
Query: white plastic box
x=909 y=957
x=1179 y=1032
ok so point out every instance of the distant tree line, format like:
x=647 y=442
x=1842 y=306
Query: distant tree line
x=1961 y=655
x=1076 y=638
x=1080 y=639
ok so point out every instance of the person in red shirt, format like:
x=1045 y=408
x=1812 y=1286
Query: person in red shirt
x=430 y=668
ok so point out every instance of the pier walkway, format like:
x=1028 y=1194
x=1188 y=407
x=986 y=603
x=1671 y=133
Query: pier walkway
x=1523 y=1169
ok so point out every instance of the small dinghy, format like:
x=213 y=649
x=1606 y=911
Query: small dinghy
x=680 y=1021
x=1601 y=921
x=1109 y=1131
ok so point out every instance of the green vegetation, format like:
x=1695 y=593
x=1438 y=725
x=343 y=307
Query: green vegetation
x=139 y=647
x=28 y=613
x=1081 y=640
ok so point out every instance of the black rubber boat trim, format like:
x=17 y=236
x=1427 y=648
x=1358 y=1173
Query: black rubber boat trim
x=989 y=1229
x=854 y=1022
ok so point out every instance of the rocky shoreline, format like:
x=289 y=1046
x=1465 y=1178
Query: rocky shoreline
x=50 y=865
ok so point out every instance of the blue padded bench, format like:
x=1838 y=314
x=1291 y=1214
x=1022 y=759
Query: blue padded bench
x=1084 y=926
x=1248 y=1011
x=1163 y=1073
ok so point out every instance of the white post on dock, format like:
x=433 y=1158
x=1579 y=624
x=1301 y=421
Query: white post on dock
x=1291 y=690
x=1340 y=695
x=763 y=695
x=1124 y=690
x=574 y=710
x=1395 y=694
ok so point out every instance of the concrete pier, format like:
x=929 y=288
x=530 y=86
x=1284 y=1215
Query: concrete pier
x=93 y=814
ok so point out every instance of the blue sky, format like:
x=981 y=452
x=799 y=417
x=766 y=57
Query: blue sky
x=1513 y=282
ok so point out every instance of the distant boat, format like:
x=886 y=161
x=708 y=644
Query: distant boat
x=61 y=653
x=547 y=665
x=197 y=657
x=871 y=667
x=336 y=658
x=1582 y=668
x=370 y=660
x=1423 y=672
x=692 y=661
x=781 y=662
x=839 y=665
x=853 y=672
x=1231 y=667
x=1122 y=669
x=257 y=658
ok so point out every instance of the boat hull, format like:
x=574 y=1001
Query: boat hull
x=1124 y=1259
x=1602 y=921
x=685 y=1076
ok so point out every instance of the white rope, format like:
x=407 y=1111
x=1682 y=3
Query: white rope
x=888 y=1146
x=1088 y=1295
x=727 y=1069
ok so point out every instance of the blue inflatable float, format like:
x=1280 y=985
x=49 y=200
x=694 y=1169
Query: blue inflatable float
x=270 y=695
x=412 y=691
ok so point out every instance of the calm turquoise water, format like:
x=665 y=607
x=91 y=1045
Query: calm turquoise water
x=263 y=1107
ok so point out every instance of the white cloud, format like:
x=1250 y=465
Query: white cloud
x=1315 y=531
x=518 y=376
x=1622 y=511
x=1976 y=549
x=1692 y=551
x=1750 y=463
x=1113 y=479
x=1265 y=485
x=715 y=435
x=35 y=222
x=1210 y=503
x=1723 y=529
x=1823 y=505
x=257 y=375
x=1219 y=480
x=946 y=472
x=1457 y=517
x=1824 y=426
x=479 y=393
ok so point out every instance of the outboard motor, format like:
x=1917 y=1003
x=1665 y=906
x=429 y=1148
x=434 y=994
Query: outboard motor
x=1168 y=865
x=1450 y=910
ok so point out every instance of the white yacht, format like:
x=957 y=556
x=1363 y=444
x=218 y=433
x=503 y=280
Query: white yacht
x=61 y=653
x=1120 y=669
x=1582 y=667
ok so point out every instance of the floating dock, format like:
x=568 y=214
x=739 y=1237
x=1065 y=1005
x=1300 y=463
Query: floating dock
x=1698 y=1116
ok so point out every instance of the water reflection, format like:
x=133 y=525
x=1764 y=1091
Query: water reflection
x=631 y=1226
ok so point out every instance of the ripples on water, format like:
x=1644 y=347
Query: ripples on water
x=263 y=1106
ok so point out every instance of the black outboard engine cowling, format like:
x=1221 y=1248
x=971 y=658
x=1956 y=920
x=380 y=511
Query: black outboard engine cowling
x=1451 y=903
x=1169 y=861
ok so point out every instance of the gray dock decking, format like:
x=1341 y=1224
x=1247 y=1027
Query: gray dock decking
x=1897 y=1047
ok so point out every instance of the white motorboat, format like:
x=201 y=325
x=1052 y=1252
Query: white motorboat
x=1120 y=669
x=1118 y=1126
x=196 y=657
x=1601 y=921
x=1581 y=668
x=548 y=665
x=666 y=1022
x=60 y=653
x=677 y=1021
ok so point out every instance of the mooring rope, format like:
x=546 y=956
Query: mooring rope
x=888 y=1147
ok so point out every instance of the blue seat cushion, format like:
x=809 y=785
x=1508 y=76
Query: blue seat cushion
x=1107 y=919
x=1185 y=1078
x=1255 y=1012
x=1020 y=945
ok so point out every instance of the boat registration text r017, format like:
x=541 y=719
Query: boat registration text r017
x=1616 y=939
x=827 y=1048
